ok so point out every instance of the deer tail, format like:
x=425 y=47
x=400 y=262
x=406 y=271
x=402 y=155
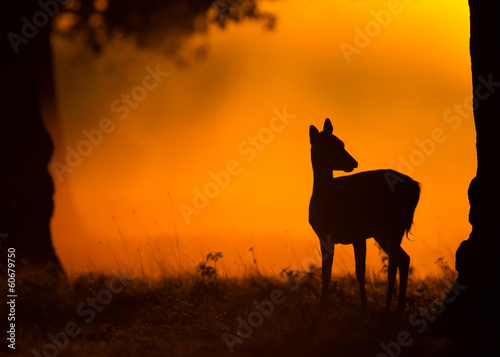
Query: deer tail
x=409 y=196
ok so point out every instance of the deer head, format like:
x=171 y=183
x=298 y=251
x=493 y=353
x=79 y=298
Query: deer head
x=328 y=152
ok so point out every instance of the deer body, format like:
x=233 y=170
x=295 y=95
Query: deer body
x=351 y=209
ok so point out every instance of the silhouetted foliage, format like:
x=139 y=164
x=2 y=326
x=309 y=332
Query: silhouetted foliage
x=188 y=316
x=158 y=25
x=207 y=268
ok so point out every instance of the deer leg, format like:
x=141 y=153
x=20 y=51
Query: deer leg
x=360 y=257
x=389 y=249
x=404 y=267
x=326 y=270
x=391 y=279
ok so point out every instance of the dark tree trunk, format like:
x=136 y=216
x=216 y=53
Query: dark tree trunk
x=474 y=314
x=26 y=187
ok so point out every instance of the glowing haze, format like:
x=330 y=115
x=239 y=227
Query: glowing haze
x=165 y=163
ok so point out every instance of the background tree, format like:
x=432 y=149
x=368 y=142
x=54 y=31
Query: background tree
x=26 y=187
x=474 y=314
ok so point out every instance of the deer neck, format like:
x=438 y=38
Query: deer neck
x=322 y=178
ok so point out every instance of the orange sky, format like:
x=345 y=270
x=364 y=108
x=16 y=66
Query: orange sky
x=402 y=95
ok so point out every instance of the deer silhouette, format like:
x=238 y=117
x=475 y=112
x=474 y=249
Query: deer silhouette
x=350 y=209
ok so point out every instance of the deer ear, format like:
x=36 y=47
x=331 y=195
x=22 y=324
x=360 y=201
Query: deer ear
x=313 y=132
x=328 y=128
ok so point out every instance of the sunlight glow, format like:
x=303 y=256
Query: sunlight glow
x=397 y=95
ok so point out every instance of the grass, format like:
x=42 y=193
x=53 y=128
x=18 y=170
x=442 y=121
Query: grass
x=201 y=313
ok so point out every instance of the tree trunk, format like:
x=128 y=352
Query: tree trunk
x=474 y=313
x=26 y=187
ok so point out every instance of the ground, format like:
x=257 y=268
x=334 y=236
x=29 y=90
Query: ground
x=203 y=314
